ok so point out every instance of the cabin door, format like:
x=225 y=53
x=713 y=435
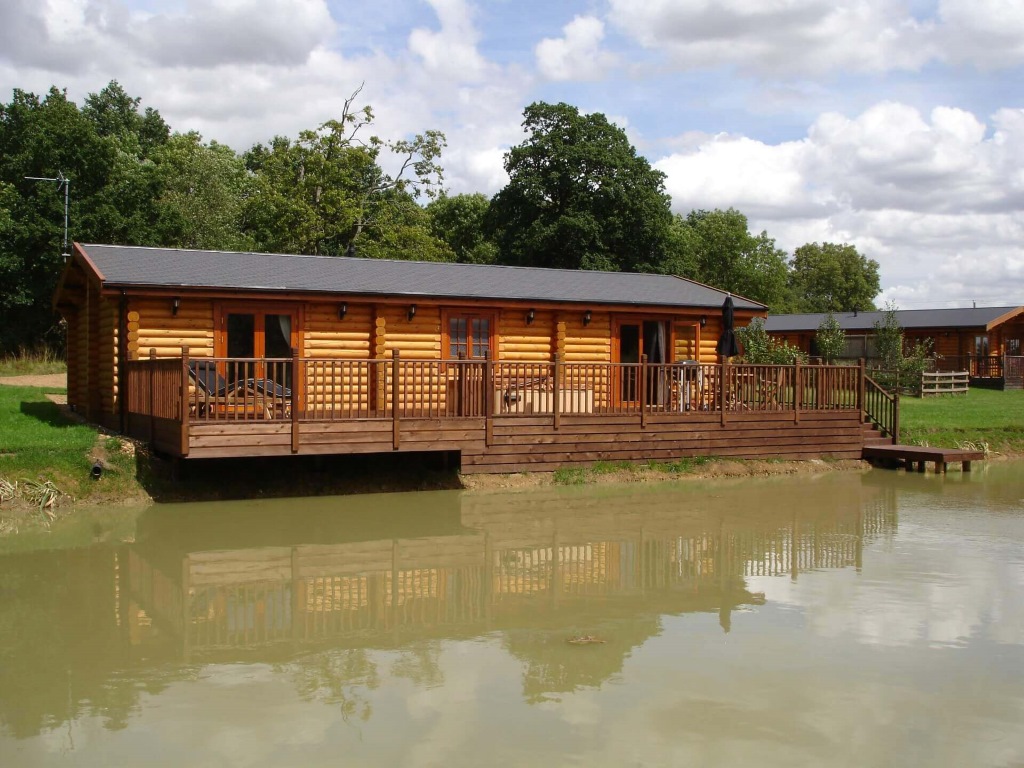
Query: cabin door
x=635 y=339
x=260 y=343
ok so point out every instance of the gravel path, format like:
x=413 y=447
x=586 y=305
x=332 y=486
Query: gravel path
x=49 y=380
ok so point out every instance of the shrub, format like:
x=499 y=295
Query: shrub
x=761 y=349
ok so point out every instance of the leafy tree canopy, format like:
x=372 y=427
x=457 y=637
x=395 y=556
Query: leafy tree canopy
x=579 y=197
x=458 y=220
x=723 y=253
x=830 y=277
x=830 y=339
x=325 y=191
x=759 y=348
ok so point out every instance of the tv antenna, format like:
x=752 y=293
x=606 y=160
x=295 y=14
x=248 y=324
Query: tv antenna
x=61 y=181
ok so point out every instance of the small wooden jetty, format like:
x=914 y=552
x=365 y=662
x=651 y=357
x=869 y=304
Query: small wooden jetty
x=911 y=455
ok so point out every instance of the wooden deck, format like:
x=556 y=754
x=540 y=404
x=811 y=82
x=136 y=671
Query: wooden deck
x=916 y=455
x=507 y=417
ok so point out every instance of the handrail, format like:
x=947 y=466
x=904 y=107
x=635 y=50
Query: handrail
x=326 y=390
x=882 y=408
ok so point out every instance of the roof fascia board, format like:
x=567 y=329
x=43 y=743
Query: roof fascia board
x=136 y=290
x=1005 y=318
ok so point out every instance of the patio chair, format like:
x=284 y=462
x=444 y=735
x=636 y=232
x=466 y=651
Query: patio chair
x=212 y=389
x=274 y=398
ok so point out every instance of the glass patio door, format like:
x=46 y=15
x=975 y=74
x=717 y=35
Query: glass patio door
x=635 y=339
x=257 y=335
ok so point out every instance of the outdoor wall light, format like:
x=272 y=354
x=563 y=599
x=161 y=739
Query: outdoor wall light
x=530 y=315
x=175 y=306
x=412 y=312
x=342 y=310
x=587 y=317
x=703 y=320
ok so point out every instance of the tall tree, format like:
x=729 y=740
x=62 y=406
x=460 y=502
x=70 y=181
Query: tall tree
x=459 y=221
x=323 y=192
x=831 y=277
x=830 y=339
x=201 y=193
x=727 y=256
x=42 y=138
x=579 y=197
x=102 y=148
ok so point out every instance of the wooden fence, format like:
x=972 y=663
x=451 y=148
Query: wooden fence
x=944 y=383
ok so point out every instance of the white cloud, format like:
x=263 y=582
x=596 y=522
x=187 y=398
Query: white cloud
x=989 y=33
x=776 y=37
x=577 y=55
x=809 y=37
x=936 y=200
x=450 y=53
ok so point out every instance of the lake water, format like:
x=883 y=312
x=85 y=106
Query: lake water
x=834 y=620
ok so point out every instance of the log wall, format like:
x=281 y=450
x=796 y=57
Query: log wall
x=152 y=324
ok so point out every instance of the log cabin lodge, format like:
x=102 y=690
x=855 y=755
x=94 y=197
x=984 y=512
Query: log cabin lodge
x=223 y=354
x=984 y=341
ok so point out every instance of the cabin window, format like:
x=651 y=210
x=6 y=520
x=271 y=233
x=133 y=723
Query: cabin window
x=1013 y=347
x=981 y=346
x=469 y=338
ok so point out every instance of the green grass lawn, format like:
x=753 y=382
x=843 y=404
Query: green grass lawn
x=979 y=416
x=38 y=444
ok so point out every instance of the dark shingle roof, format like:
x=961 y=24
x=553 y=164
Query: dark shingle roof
x=127 y=266
x=974 y=317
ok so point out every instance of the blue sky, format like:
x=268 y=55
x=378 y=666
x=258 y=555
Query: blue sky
x=895 y=126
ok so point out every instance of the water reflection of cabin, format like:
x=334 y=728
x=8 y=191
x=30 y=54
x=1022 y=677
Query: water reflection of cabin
x=514 y=568
x=984 y=341
x=211 y=354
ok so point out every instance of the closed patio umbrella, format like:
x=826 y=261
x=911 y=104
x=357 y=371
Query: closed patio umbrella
x=727 y=346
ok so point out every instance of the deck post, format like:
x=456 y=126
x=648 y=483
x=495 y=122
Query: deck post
x=394 y=399
x=798 y=391
x=861 y=385
x=295 y=399
x=183 y=410
x=556 y=394
x=722 y=387
x=643 y=391
x=488 y=399
x=896 y=417
x=152 y=417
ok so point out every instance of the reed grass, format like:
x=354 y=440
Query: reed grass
x=34 y=362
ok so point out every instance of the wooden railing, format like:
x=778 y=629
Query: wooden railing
x=979 y=366
x=882 y=409
x=199 y=390
x=154 y=388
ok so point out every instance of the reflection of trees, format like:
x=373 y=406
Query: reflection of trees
x=553 y=666
x=81 y=632
x=338 y=677
x=62 y=653
x=420 y=664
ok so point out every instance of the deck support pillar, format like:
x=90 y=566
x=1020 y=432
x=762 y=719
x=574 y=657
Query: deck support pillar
x=152 y=416
x=643 y=391
x=488 y=399
x=557 y=394
x=295 y=400
x=798 y=391
x=394 y=399
x=723 y=388
x=183 y=412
